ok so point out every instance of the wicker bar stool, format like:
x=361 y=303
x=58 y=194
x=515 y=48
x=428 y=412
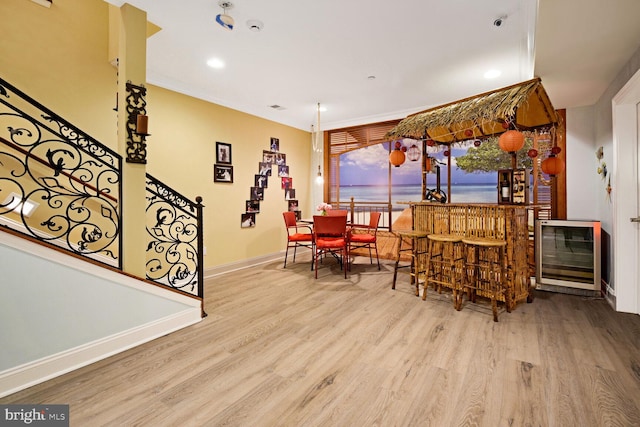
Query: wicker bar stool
x=412 y=242
x=486 y=272
x=444 y=264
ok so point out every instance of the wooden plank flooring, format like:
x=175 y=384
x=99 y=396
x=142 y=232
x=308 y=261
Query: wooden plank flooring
x=282 y=349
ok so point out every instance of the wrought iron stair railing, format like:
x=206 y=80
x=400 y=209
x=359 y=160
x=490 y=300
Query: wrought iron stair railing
x=174 y=227
x=61 y=186
x=57 y=184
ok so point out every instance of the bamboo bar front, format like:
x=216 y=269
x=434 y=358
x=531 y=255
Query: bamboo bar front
x=506 y=222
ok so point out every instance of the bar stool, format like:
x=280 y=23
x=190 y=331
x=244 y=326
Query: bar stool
x=444 y=264
x=414 y=243
x=486 y=271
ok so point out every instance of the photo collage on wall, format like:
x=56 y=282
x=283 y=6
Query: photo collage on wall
x=273 y=162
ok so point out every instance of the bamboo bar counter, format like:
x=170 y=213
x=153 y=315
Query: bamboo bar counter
x=507 y=222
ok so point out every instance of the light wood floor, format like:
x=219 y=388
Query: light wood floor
x=282 y=349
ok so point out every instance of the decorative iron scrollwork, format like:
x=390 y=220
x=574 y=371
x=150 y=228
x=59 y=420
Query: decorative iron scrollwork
x=72 y=178
x=136 y=104
x=174 y=228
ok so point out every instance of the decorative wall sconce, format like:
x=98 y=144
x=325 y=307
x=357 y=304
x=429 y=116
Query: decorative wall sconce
x=137 y=124
x=142 y=125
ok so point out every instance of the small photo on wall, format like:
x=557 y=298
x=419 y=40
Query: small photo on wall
x=283 y=170
x=248 y=220
x=275 y=144
x=290 y=194
x=264 y=168
x=222 y=173
x=280 y=159
x=223 y=153
x=293 y=205
x=257 y=193
x=298 y=215
x=261 y=181
x=287 y=183
x=268 y=157
x=253 y=206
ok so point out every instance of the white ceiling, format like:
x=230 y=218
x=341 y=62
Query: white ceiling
x=422 y=53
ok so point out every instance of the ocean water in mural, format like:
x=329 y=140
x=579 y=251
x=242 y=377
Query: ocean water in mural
x=461 y=193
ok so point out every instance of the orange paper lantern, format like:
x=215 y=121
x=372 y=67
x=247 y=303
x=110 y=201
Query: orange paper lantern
x=511 y=141
x=396 y=157
x=552 y=165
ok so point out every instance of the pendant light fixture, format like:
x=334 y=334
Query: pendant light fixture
x=315 y=133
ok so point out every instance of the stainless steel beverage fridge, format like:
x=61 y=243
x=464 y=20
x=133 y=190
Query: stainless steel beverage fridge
x=568 y=256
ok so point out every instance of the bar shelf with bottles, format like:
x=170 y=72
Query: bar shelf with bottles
x=513 y=186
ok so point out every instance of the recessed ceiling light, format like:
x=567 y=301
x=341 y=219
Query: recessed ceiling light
x=492 y=74
x=371 y=77
x=215 y=63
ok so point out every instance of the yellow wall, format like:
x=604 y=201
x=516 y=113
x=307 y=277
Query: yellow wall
x=182 y=152
x=59 y=57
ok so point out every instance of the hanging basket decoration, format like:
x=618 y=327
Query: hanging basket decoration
x=552 y=165
x=397 y=156
x=511 y=141
x=413 y=153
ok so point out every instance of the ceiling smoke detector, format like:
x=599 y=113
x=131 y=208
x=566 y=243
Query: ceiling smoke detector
x=255 y=25
x=223 y=19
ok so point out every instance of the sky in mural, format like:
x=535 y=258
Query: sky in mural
x=369 y=166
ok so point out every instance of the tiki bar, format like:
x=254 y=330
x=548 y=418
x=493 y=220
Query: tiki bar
x=481 y=249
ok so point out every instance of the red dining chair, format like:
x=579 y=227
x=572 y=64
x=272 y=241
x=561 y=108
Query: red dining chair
x=337 y=212
x=330 y=236
x=364 y=236
x=295 y=238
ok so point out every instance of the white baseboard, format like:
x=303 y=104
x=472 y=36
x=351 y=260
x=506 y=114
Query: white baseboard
x=29 y=374
x=239 y=265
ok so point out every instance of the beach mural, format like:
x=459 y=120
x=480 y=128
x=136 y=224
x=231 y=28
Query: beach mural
x=364 y=174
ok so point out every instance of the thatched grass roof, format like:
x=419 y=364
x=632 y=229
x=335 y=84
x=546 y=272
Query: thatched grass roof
x=525 y=104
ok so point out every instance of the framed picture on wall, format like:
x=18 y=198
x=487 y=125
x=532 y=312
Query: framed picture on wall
x=280 y=159
x=268 y=157
x=283 y=170
x=261 y=181
x=290 y=194
x=287 y=183
x=223 y=153
x=248 y=220
x=257 y=193
x=265 y=168
x=275 y=144
x=222 y=173
x=253 y=206
x=293 y=205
